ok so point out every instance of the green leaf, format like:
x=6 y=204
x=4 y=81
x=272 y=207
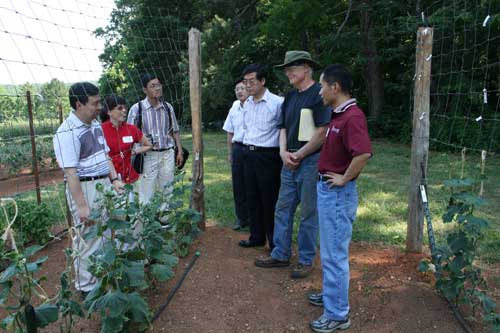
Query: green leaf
x=488 y=304
x=7 y=322
x=114 y=301
x=135 y=274
x=91 y=233
x=470 y=199
x=28 y=252
x=107 y=255
x=116 y=224
x=112 y=325
x=455 y=183
x=46 y=314
x=138 y=308
x=8 y=273
x=162 y=272
x=423 y=266
x=166 y=259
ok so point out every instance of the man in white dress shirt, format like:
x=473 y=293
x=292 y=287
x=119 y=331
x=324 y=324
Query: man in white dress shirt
x=262 y=158
x=235 y=152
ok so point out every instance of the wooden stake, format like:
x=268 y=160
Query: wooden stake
x=197 y=192
x=420 y=139
x=33 y=148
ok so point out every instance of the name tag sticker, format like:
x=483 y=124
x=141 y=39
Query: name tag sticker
x=127 y=139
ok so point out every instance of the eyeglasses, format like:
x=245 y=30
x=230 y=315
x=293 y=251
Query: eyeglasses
x=155 y=85
x=249 y=82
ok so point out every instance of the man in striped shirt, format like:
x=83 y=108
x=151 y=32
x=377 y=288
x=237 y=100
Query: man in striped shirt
x=262 y=158
x=160 y=125
x=81 y=151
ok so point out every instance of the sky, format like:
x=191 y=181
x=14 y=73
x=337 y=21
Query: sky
x=45 y=39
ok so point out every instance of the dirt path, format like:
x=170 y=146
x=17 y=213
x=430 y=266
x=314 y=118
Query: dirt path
x=25 y=183
x=225 y=292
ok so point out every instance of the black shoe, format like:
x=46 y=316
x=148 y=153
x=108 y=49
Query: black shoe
x=270 y=262
x=324 y=325
x=316 y=299
x=84 y=294
x=247 y=243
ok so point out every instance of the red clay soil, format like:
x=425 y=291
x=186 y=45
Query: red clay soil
x=24 y=183
x=225 y=292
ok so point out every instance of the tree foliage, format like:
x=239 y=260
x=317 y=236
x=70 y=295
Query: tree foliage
x=375 y=39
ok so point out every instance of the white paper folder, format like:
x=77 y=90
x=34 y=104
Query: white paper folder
x=306 y=125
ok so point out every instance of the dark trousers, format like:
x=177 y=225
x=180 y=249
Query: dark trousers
x=239 y=187
x=262 y=176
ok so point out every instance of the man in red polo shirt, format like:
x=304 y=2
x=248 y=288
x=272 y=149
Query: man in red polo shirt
x=346 y=151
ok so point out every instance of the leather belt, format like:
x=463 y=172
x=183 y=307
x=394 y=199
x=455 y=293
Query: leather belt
x=257 y=148
x=91 y=178
x=162 y=149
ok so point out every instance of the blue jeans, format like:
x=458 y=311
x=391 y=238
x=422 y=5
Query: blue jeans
x=297 y=186
x=337 y=210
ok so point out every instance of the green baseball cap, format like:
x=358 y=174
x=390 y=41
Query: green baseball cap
x=292 y=57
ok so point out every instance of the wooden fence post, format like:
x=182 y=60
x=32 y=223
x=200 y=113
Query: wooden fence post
x=198 y=190
x=33 y=148
x=420 y=138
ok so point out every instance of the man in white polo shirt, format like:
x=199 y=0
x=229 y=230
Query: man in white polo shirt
x=82 y=153
x=236 y=152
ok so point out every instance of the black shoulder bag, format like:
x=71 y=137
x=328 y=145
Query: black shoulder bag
x=139 y=158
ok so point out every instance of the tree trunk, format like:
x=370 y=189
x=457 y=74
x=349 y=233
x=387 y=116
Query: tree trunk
x=371 y=70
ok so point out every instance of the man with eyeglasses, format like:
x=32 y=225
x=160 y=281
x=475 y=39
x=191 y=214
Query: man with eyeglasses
x=159 y=124
x=262 y=159
x=235 y=153
x=303 y=125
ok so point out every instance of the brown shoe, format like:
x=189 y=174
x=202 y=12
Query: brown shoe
x=300 y=271
x=269 y=262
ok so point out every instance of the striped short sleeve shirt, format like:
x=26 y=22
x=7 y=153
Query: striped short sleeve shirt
x=155 y=123
x=81 y=146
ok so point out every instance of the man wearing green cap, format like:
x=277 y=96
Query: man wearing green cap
x=303 y=125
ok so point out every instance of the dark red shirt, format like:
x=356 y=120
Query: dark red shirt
x=346 y=138
x=121 y=141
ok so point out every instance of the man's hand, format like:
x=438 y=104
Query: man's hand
x=297 y=157
x=83 y=214
x=335 y=179
x=118 y=186
x=180 y=158
x=288 y=160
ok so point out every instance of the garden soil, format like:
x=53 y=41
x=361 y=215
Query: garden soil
x=225 y=292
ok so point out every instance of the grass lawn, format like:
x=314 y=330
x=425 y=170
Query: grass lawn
x=383 y=192
x=383 y=188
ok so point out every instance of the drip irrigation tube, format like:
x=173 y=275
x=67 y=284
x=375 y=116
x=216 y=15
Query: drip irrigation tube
x=177 y=286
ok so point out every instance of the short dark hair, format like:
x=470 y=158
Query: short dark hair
x=238 y=81
x=337 y=73
x=110 y=102
x=145 y=78
x=260 y=70
x=80 y=92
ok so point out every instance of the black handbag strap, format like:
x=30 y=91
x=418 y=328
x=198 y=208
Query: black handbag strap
x=139 y=113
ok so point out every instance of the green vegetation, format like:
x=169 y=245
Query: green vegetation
x=458 y=279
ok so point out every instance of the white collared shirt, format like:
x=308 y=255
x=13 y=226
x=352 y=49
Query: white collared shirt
x=344 y=106
x=261 y=120
x=234 y=122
